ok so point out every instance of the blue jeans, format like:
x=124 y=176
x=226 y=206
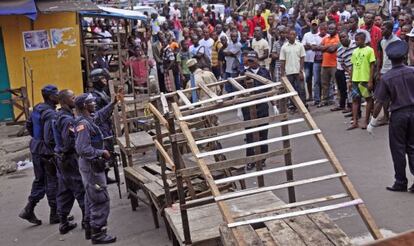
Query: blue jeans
x=317 y=82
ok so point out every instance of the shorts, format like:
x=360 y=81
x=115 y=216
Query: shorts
x=360 y=89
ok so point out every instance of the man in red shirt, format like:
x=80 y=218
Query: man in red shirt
x=247 y=23
x=333 y=15
x=374 y=31
x=258 y=20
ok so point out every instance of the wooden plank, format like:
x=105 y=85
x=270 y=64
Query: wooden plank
x=232 y=94
x=270 y=171
x=237 y=106
x=297 y=213
x=331 y=230
x=164 y=104
x=258 y=78
x=277 y=187
x=190 y=171
x=308 y=231
x=165 y=155
x=266 y=237
x=209 y=92
x=234 y=126
x=361 y=208
x=237 y=85
x=234 y=101
x=250 y=130
x=137 y=140
x=171 y=94
x=158 y=114
x=282 y=234
x=211 y=218
x=184 y=99
x=292 y=205
x=254 y=144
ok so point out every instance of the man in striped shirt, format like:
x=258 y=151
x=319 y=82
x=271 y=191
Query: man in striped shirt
x=344 y=67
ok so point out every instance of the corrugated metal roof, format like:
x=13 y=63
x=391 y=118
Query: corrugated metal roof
x=65 y=5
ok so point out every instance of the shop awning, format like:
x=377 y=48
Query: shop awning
x=46 y=6
x=18 y=7
x=116 y=13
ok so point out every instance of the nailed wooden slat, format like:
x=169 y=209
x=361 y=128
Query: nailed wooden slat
x=254 y=144
x=297 y=213
x=269 y=171
x=250 y=130
x=237 y=106
x=277 y=187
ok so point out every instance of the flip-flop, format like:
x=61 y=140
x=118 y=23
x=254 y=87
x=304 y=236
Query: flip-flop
x=352 y=127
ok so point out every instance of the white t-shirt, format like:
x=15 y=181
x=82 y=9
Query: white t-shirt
x=208 y=45
x=260 y=46
x=344 y=16
x=190 y=11
x=310 y=38
x=291 y=54
x=175 y=13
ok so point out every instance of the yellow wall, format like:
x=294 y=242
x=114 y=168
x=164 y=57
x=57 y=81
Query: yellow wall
x=60 y=66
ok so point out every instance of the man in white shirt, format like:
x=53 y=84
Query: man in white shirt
x=207 y=43
x=175 y=12
x=292 y=56
x=309 y=39
x=261 y=46
x=343 y=14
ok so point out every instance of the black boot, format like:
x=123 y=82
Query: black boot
x=28 y=214
x=99 y=236
x=53 y=217
x=87 y=228
x=66 y=226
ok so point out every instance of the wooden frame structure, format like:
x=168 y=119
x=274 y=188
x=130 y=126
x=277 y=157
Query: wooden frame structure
x=245 y=97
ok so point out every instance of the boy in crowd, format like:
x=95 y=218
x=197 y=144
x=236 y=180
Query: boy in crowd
x=363 y=61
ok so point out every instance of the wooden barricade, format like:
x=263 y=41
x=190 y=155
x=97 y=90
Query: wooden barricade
x=241 y=222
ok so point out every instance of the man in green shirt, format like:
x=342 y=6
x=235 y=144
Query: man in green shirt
x=363 y=61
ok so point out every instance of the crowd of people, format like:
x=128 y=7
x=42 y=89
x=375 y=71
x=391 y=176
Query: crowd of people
x=312 y=45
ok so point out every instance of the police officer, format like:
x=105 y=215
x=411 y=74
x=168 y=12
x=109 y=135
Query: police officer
x=397 y=86
x=101 y=93
x=39 y=126
x=262 y=109
x=69 y=179
x=89 y=145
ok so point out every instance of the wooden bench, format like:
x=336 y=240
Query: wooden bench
x=206 y=225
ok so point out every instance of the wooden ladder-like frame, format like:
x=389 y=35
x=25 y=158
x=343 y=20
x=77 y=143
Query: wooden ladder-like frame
x=233 y=219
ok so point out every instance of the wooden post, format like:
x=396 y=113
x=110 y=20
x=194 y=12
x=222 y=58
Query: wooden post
x=180 y=187
x=256 y=136
x=162 y=164
x=287 y=156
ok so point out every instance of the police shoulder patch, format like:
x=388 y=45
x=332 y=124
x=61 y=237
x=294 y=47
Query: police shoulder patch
x=80 y=128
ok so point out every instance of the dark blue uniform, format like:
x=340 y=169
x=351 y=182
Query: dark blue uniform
x=262 y=111
x=39 y=126
x=397 y=87
x=90 y=147
x=69 y=179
